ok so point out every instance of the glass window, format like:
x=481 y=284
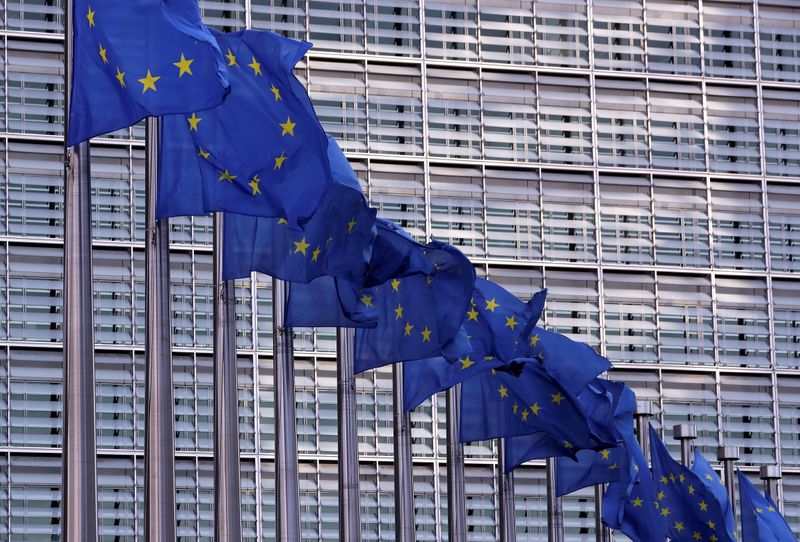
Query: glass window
x=681 y=222
x=285 y=17
x=451 y=29
x=397 y=191
x=35 y=397
x=742 y=322
x=35 y=197
x=35 y=80
x=733 y=145
x=572 y=306
x=788 y=394
x=530 y=504
x=506 y=28
x=337 y=90
x=738 y=225
x=263 y=301
x=117 y=499
x=337 y=25
x=626 y=219
x=479 y=482
x=425 y=520
x=245 y=389
x=729 y=39
x=621 y=107
x=691 y=398
x=266 y=405
x=112 y=296
x=779 y=29
x=522 y=282
x=115 y=400
x=395 y=109
x=457 y=208
x=509 y=116
x=513 y=214
x=35 y=495
x=224 y=15
x=630 y=317
x=676 y=125
x=562 y=33
x=568 y=217
x=565 y=120
x=791 y=500
x=673 y=36
x=579 y=515
x=686 y=328
x=786 y=322
x=35 y=293
x=111 y=194
x=618 y=35
x=747 y=417
x=36 y=16
x=453 y=113
x=781 y=132
x=393 y=27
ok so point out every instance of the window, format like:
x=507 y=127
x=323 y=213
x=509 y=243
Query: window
x=506 y=28
x=337 y=90
x=738 y=225
x=35 y=17
x=223 y=15
x=111 y=194
x=784 y=226
x=747 y=417
x=397 y=191
x=285 y=17
x=681 y=222
x=457 y=208
x=779 y=29
x=686 y=329
x=35 y=495
x=625 y=219
x=35 y=190
x=112 y=296
x=788 y=394
x=691 y=398
x=118 y=480
x=565 y=120
x=453 y=113
x=35 y=293
x=35 y=381
x=509 y=116
x=781 y=132
x=479 y=484
x=530 y=504
x=786 y=322
x=733 y=145
x=451 y=29
x=618 y=35
x=630 y=317
x=621 y=123
x=393 y=27
x=729 y=39
x=573 y=305
x=673 y=37
x=742 y=322
x=568 y=217
x=337 y=25
x=395 y=109
x=562 y=33
x=35 y=81
x=676 y=124
x=513 y=214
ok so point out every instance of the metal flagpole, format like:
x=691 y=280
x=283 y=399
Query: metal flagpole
x=403 y=475
x=159 y=439
x=771 y=474
x=505 y=489
x=555 y=515
x=728 y=455
x=287 y=497
x=644 y=409
x=79 y=448
x=685 y=433
x=349 y=512
x=602 y=533
x=227 y=492
x=456 y=499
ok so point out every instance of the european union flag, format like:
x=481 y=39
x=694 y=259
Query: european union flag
x=336 y=241
x=713 y=482
x=137 y=59
x=631 y=504
x=611 y=406
x=497 y=324
x=686 y=505
x=761 y=520
x=519 y=399
x=262 y=152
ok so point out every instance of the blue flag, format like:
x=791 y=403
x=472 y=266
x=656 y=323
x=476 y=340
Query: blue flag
x=713 y=482
x=137 y=59
x=262 y=152
x=519 y=399
x=761 y=520
x=611 y=406
x=687 y=506
x=630 y=505
x=572 y=363
x=336 y=241
x=497 y=324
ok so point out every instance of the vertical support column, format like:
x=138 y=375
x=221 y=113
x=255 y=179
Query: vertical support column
x=349 y=511
x=685 y=433
x=227 y=485
x=555 y=514
x=602 y=533
x=456 y=498
x=403 y=475
x=159 y=440
x=287 y=497
x=728 y=455
x=505 y=490
x=644 y=409
x=79 y=447
x=771 y=474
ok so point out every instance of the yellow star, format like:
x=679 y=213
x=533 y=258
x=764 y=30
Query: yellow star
x=254 y=185
x=149 y=82
x=515 y=408
x=535 y=409
x=276 y=92
x=279 y=161
x=672 y=478
x=682 y=478
x=697 y=536
x=711 y=524
x=664 y=480
x=556 y=398
x=288 y=127
x=771 y=508
x=665 y=512
x=315 y=254
x=466 y=363
x=472 y=314
x=759 y=510
x=302 y=246
x=491 y=305
x=713 y=538
x=395 y=285
x=231 y=59
x=703 y=506
x=613 y=467
x=120 y=77
x=408 y=329
x=256 y=66
x=193 y=121
x=534 y=340
x=567 y=444
x=184 y=65
x=679 y=526
x=708 y=477
x=604 y=454
x=524 y=415
x=637 y=502
x=503 y=391
x=351 y=225
x=511 y=322
x=366 y=300
x=398 y=312
x=282 y=221
x=426 y=335
x=90 y=16
x=103 y=54
x=429 y=280
x=660 y=496
x=225 y=176
x=691 y=489
x=205 y=154
x=488 y=358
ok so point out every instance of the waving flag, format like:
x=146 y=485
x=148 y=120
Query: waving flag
x=761 y=520
x=713 y=482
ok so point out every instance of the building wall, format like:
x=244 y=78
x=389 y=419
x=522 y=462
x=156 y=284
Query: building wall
x=639 y=158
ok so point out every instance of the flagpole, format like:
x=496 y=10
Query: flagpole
x=349 y=503
x=159 y=439
x=456 y=499
x=602 y=533
x=505 y=489
x=79 y=447
x=555 y=515
x=403 y=474
x=685 y=433
x=287 y=480
x=771 y=474
x=728 y=455
x=227 y=491
x=644 y=409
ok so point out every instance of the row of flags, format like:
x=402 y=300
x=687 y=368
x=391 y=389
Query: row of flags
x=239 y=135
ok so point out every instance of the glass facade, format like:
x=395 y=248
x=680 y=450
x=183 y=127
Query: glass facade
x=639 y=158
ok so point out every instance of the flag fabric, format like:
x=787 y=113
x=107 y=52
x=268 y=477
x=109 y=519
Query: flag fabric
x=687 y=505
x=630 y=504
x=262 y=152
x=713 y=482
x=522 y=398
x=497 y=324
x=336 y=241
x=761 y=520
x=137 y=59
x=611 y=406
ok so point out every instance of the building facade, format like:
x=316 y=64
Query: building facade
x=639 y=158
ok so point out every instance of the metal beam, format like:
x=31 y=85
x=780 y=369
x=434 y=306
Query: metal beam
x=505 y=489
x=456 y=498
x=403 y=474
x=555 y=514
x=349 y=504
x=685 y=433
